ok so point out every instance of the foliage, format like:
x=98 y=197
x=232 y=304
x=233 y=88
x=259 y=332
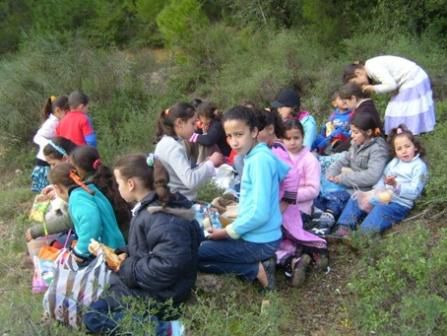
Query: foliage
x=400 y=286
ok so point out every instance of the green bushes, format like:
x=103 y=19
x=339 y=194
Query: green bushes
x=400 y=286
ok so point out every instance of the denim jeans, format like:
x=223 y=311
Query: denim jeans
x=380 y=218
x=235 y=256
x=104 y=316
x=333 y=201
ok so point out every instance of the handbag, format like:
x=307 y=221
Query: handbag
x=73 y=289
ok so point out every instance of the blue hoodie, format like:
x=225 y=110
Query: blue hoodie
x=259 y=219
x=93 y=217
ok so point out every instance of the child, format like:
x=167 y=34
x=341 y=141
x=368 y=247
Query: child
x=89 y=210
x=288 y=105
x=76 y=125
x=90 y=168
x=405 y=176
x=176 y=124
x=58 y=150
x=359 y=101
x=247 y=246
x=213 y=132
x=54 y=109
x=359 y=168
x=160 y=261
x=412 y=101
x=298 y=191
x=334 y=136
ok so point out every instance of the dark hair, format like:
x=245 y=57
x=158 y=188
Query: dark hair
x=291 y=124
x=196 y=102
x=167 y=118
x=53 y=152
x=365 y=122
x=349 y=71
x=402 y=130
x=242 y=113
x=77 y=98
x=266 y=118
x=208 y=110
x=52 y=103
x=87 y=158
x=351 y=89
x=153 y=177
x=60 y=175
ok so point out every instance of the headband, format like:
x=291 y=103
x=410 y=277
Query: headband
x=58 y=149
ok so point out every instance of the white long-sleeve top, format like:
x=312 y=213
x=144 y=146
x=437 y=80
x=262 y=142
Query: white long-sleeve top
x=411 y=178
x=390 y=72
x=45 y=133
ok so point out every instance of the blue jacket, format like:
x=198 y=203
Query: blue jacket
x=411 y=178
x=259 y=219
x=93 y=217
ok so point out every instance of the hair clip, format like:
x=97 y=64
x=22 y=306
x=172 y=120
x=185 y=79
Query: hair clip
x=58 y=149
x=96 y=164
x=53 y=98
x=166 y=112
x=150 y=160
x=399 y=130
x=77 y=180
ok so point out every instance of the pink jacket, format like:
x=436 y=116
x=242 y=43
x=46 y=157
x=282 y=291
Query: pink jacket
x=309 y=184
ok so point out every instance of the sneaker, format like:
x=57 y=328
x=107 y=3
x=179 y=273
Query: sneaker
x=342 y=233
x=327 y=220
x=321 y=232
x=299 y=270
x=321 y=261
x=270 y=268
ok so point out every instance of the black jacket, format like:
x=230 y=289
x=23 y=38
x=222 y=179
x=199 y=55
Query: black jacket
x=215 y=136
x=162 y=250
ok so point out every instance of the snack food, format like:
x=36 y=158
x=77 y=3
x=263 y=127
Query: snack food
x=111 y=258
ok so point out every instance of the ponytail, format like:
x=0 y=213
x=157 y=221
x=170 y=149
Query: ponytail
x=52 y=103
x=149 y=171
x=167 y=118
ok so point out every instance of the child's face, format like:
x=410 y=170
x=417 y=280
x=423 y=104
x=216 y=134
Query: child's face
x=185 y=128
x=361 y=77
x=285 y=112
x=125 y=186
x=350 y=103
x=204 y=121
x=239 y=136
x=403 y=147
x=358 y=136
x=267 y=135
x=53 y=162
x=293 y=140
x=340 y=104
x=61 y=192
x=59 y=113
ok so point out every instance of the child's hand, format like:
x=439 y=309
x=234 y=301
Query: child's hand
x=368 y=89
x=217 y=234
x=47 y=193
x=335 y=179
x=391 y=180
x=28 y=236
x=217 y=159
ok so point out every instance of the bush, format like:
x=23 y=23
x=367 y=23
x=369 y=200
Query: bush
x=400 y=286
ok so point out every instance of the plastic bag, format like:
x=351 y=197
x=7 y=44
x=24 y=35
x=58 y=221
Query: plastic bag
x=74 y=289
x=367 y=199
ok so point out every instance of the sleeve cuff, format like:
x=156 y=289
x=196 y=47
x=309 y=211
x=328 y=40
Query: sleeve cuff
x=231 y=232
